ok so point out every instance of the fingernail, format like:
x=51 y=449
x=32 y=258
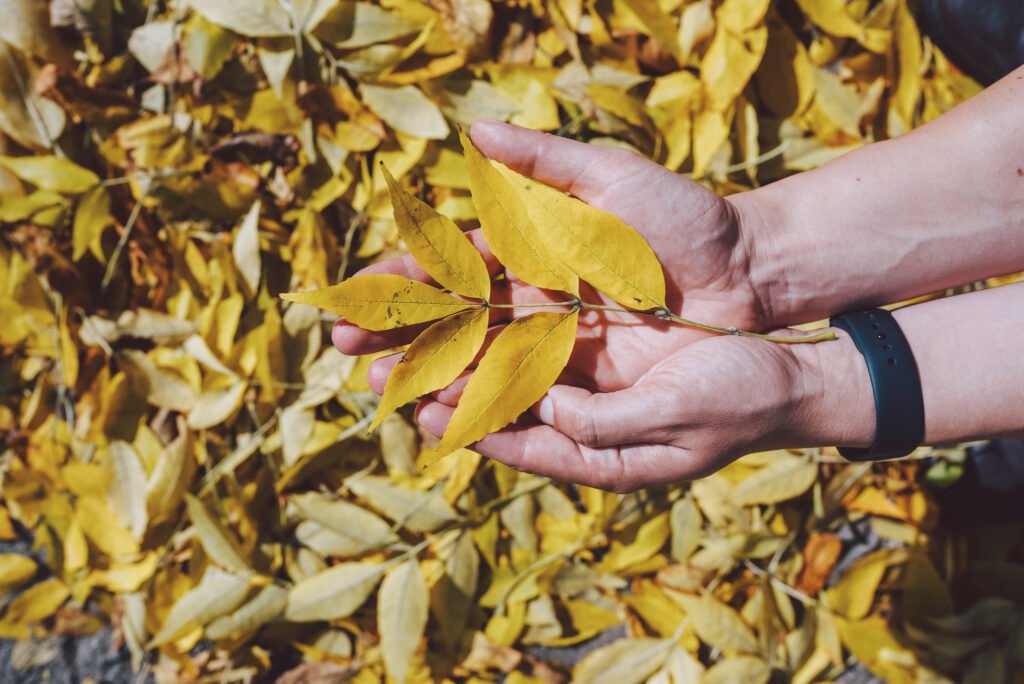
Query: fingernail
x=546 y=411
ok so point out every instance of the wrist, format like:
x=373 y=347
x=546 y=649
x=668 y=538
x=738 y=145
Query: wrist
x=775 y=268
x=840 y=405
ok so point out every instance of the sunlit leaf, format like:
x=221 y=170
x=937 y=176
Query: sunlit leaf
x=510 y=233
x=438 y=245
x=596 y=245
x=434 y=359
x=519 y=367
x=382 y=302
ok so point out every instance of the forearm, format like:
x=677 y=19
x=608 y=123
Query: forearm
x=967 y=350
x=938 y=207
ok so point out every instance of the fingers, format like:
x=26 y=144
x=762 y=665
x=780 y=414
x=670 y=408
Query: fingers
x=543 y=450
x=584 y=170
x=631 y=416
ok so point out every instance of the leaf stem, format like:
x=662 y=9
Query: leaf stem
x=546 y=305
x=666 y=315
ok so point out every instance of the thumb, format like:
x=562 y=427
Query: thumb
x=585 y=170
x=629 y=416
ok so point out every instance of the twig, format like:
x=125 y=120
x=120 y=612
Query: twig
x=666 y=315
x=132 y=218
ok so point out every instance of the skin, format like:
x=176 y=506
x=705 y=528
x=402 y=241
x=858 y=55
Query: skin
x=654 y=403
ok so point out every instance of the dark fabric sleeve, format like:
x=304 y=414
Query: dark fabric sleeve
x=984 y=38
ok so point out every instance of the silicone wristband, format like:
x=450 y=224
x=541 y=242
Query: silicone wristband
x=899 y=404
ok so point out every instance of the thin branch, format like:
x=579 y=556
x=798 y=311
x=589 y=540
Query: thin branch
x=666 y=315
x=132 y=218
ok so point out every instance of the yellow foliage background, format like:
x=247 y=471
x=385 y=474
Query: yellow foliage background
x=190 y=454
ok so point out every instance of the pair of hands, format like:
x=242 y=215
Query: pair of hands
x=647 y=404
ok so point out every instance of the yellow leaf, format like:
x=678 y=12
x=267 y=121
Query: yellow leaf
x=657 y=610
x=696 y=24
x=506 y=225
x=831 y=16
x=873 y=644
x=92 y=216
x=710 y=131
x=339 y=528
x=401 y=616
x=267 y=605
x=730 y=61
x=780 y=481
x=744 y=669
x=246 y=249
x=126 y=577
x=170 y=478
x=657 y=23
x=853 y=595
x=742 y=15
x=521 y=364
x=76 y=551
x=614 y=101
x=382 y=301
x=433 y=360
x=15 y=570
x=217 y=593
x=439 y=246
x=638 y=546
x=686 y=528
x=357 y=24
x=718 y=624
x=333 y=593
x=909 y=54
x=419 y=511
x=103 y=528
x=126 y=491
x=599 y=247
x=51 y=173
x=257 y=18
x=406 y=109
x=626 y=661
x=218 y=542
x=216 y=406
x=38 y=602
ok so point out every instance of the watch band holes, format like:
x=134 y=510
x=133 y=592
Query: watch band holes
x=881 y=335
x=887 y=347
x=891 y=361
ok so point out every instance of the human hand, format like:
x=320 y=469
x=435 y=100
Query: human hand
x=686 y=417
x=696 y=235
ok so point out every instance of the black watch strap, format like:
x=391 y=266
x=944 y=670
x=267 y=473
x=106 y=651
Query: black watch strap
x=899 y=404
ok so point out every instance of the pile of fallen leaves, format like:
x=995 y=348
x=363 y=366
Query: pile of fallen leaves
x=190 y=456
